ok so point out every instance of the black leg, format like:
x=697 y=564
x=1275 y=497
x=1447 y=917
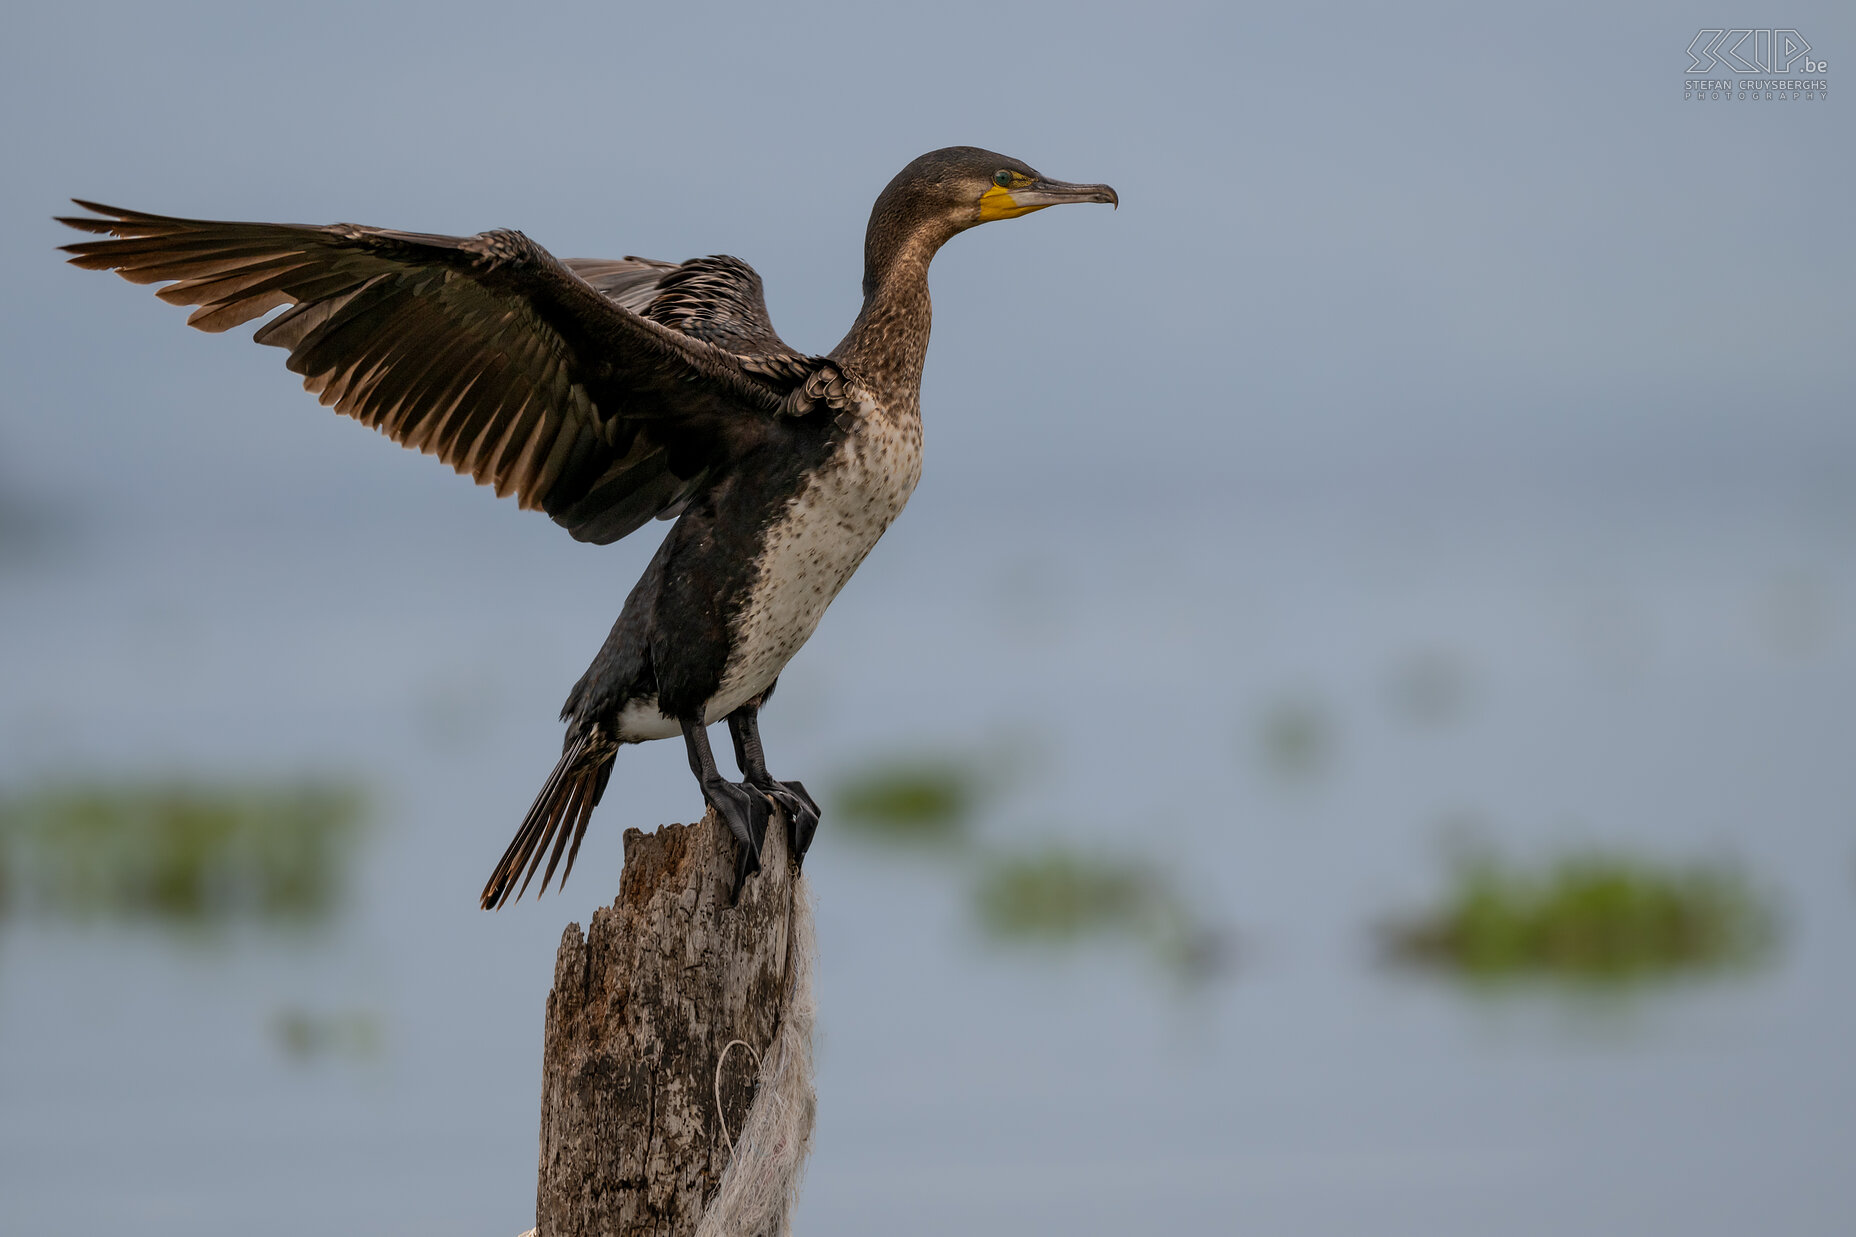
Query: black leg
x=790 y=797
x=743 y=810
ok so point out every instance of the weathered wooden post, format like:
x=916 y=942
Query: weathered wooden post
x=676 y=1073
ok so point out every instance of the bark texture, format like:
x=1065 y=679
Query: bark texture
x=645 y=1007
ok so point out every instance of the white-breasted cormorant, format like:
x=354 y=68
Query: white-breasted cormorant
x=609 y=393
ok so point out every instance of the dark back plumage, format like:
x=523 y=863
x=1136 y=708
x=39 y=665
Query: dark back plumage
x=718 y=299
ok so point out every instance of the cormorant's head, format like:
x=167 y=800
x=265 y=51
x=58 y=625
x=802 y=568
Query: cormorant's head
x=950 y=190
x=967 y=185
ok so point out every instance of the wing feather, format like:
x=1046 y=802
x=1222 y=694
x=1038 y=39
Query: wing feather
x=571 y=386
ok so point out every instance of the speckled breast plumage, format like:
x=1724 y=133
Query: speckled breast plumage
x=812 y=547
x=808 y=551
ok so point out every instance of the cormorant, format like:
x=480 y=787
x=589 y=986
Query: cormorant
x=609 y=393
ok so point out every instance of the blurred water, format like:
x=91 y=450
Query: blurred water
x=1411 y=452
x=1662 y=668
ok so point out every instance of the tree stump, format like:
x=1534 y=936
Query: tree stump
x=678 y=1039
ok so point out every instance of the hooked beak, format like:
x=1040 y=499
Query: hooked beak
x=998 y=203
x=1042 y=193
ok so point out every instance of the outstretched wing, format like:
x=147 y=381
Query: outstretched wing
x=489 y=353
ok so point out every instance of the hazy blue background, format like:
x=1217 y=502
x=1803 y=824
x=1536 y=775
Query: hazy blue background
x=1442 y=336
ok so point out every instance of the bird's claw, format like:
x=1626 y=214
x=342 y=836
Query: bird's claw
x=801 y=814
x=745 y=813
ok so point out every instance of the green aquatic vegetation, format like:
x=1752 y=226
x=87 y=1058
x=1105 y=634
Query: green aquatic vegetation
x=178 y=851
x=1052 y=896
x=1593 y=915
x=1059 y=896
x=1295 y=740
x=307 y=1035
x=916 y=802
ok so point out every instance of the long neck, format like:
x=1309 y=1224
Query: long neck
x=889 y=341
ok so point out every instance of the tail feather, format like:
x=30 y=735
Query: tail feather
x=578 y=810
x=543 y=816
x=599 y=789
x=563 y=807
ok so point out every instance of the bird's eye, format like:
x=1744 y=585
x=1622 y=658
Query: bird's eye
x=1002 y=178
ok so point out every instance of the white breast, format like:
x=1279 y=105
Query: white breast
x=813 y=547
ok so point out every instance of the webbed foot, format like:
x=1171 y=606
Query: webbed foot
x=745 y=812
x=800 y=810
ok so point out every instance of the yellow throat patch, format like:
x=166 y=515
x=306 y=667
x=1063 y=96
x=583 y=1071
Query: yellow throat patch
x=997 y=203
